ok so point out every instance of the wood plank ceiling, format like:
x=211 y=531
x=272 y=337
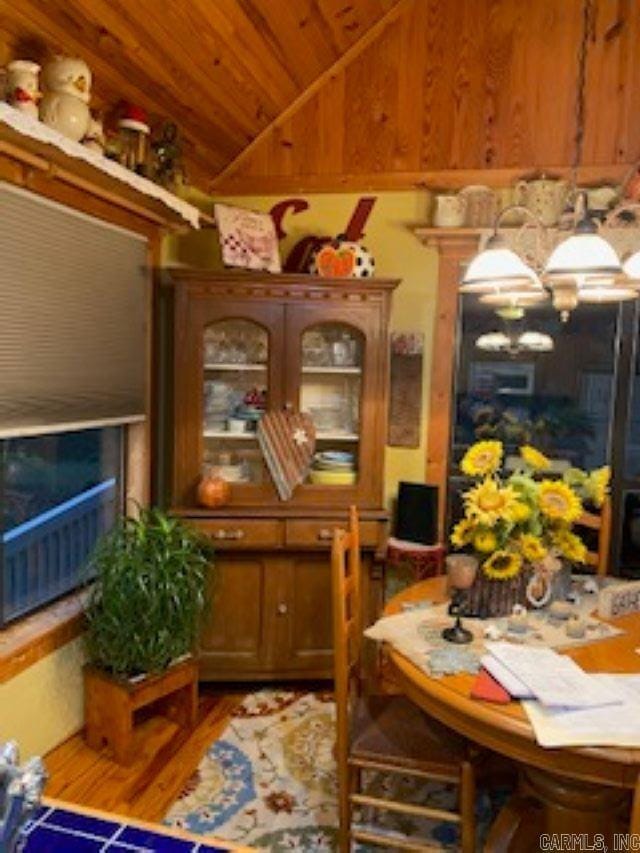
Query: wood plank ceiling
x=222 y=69
x=277 y=95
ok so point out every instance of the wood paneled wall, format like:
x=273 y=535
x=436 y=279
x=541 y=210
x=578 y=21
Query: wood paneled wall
x=451 y=88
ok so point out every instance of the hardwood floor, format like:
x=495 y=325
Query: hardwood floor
x=165 y=758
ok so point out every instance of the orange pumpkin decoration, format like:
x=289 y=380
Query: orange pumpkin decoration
x=335 y=263
x=213 y=491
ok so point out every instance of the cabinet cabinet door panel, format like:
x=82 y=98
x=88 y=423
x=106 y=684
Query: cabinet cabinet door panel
x=233 y=626
x=310 y=624
x=336 y=368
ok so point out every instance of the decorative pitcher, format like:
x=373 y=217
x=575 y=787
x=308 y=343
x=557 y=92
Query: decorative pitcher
x=544 y=197
x=450 y=211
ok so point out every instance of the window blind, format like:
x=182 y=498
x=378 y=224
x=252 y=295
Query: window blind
x=73 y=325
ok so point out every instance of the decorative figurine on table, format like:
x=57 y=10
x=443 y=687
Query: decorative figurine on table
x=461 y=572
x=519 y=527
x=133 y=126
x=167 y=167
x=20 y=792
x=65 y=104
x=22 y=86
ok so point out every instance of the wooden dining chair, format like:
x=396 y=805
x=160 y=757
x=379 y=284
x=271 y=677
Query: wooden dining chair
x=600 y=522
x=387 y=734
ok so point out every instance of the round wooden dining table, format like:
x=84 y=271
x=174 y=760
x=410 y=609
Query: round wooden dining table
x=567 y=790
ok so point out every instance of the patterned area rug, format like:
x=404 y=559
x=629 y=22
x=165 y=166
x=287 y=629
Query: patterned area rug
x=269 y=782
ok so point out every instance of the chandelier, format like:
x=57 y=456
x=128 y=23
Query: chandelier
x=513 y=340
x=583 y=267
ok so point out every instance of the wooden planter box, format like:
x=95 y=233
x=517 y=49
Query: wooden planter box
x=110 y=703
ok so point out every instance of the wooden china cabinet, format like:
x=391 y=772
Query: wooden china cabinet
x=243 y=344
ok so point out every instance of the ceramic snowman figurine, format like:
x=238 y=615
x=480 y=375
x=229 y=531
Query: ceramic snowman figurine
x=22 y=86
x=65 y=105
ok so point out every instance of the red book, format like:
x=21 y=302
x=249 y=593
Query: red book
x=486 y=687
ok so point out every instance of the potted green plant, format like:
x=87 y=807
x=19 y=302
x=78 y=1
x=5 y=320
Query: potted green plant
x=142 y=620
x=144 y=608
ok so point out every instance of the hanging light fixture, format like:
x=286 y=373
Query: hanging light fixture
x=584 y=267
x=497 y=269
x=513 y=340
x=585 y=258
x=631 y=267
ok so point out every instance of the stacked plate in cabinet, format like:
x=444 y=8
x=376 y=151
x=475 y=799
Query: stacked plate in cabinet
x=333 y=468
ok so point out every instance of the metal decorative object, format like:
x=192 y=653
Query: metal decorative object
x=20 y=791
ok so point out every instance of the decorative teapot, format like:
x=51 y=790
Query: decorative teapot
x=544 y=197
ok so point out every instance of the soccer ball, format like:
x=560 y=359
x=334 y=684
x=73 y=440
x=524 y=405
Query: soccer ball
x=342 y=258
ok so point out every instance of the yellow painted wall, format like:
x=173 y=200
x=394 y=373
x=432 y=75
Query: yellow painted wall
x=397 y=252
x=43 y=705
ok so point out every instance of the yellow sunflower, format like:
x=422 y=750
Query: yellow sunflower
x=531 y=548
x=485 y=541
x=534 y=459
x=488 y=503
x=597 y=484
x=558 y=501
x=482 y=458
x=520 y=512
x=570 y=546
x=502 y=565
x=462 y=533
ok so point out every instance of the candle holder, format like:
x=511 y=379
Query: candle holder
x=461 y=571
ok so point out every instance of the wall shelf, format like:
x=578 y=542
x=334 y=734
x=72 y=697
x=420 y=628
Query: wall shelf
x=39 y=148
x=247 y=368
x=334 y=370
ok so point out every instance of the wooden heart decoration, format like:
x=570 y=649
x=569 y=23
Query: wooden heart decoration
x=335 y=263
x=288 y=442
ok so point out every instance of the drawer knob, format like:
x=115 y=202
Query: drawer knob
x=325 y=534
x=229 y=534
x=282 y=609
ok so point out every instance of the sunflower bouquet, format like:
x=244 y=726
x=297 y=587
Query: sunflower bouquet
x=525 y=518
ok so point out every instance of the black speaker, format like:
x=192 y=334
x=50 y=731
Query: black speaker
x=417 y=513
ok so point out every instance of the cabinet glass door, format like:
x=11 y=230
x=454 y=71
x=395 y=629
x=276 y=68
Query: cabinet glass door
x=235 y=395
x=332 y=361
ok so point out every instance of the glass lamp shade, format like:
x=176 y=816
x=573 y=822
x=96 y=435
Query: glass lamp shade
x=582 y=256
x=632 y=267
x=607 y=292
x=493 y=342
x=514 y=298
x=497 y=268
x=535 y=342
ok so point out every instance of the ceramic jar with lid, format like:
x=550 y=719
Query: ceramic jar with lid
x=65 y=105
x=22 y=86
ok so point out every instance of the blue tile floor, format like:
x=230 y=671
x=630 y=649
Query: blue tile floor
x=55 y=830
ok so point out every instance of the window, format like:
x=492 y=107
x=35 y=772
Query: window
x=59 y=493
x=510 y=387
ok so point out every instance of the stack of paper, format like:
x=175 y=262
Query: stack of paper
x=592 y=726
x=555 y=680
x=565 y=705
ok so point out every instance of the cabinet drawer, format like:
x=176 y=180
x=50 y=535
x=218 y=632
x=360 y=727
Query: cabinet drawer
x=319 y=532
x=241 y=532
